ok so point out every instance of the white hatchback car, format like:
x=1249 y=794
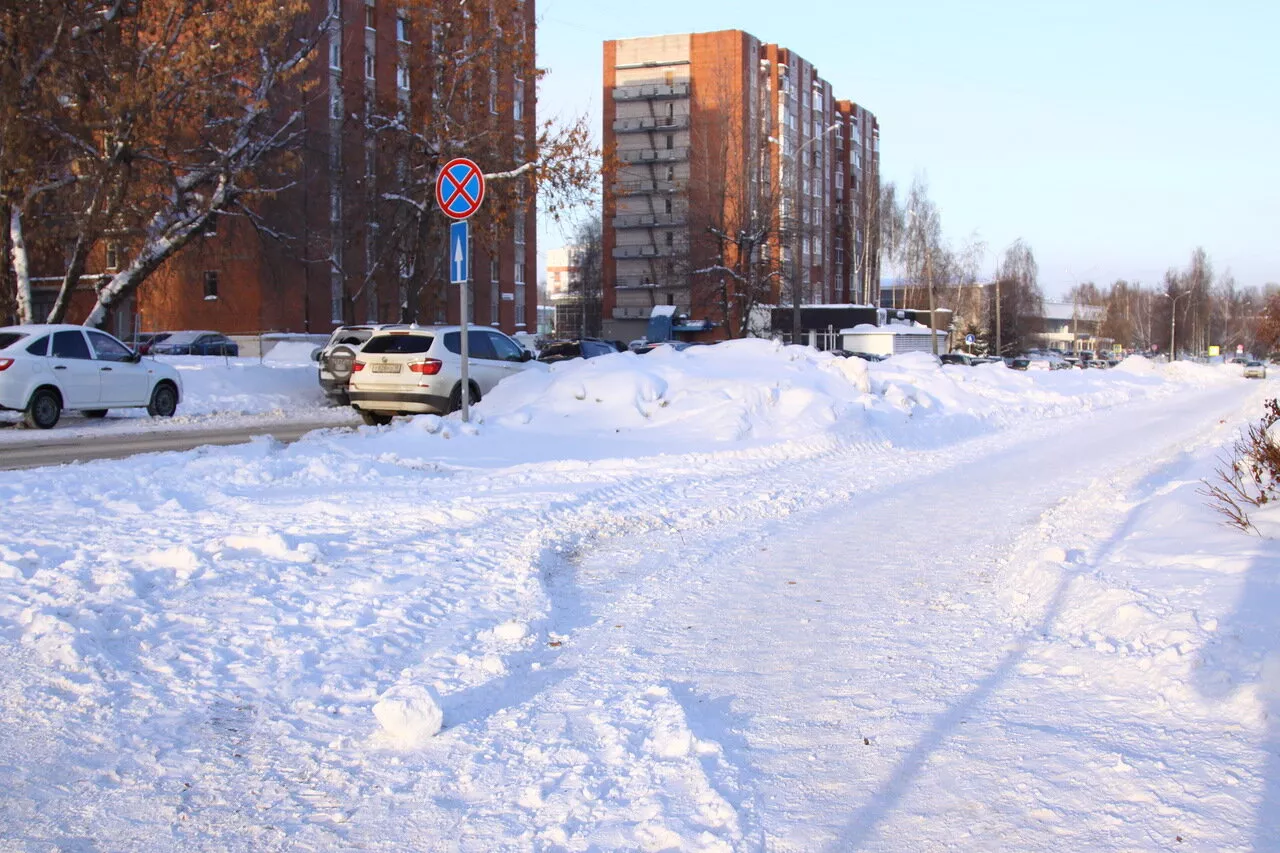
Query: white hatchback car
x=47 y=368
x=416 y=370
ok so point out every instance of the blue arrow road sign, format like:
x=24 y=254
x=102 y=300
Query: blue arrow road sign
x=459 y=235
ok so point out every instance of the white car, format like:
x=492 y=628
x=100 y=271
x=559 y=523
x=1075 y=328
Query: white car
x=47 y=368
x=418 y=369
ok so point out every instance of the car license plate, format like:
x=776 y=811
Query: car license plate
x=386 y=368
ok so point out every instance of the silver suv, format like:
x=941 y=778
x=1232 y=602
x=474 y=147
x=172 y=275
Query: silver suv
x=336 y=357
x=415 y=370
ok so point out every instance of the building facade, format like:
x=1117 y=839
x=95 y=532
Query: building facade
x=737 y=179
x=356 y=236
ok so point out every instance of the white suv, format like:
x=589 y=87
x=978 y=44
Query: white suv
x=416 y=370
x=47 y=368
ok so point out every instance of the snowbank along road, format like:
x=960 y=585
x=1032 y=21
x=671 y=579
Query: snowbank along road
x=660 y=605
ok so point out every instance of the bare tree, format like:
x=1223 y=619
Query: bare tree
x=482 y=78
x=1020 y=303
x=586 y=281
x=162 y=117
x=735 y=215
x=925 y=258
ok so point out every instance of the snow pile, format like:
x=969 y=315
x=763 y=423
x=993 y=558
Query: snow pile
x=245 y=386
x=291 y=353
x=410 y=714
x=735 y=390
x=752 y=393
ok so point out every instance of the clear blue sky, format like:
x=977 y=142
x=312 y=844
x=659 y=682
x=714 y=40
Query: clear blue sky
x=1114 y=137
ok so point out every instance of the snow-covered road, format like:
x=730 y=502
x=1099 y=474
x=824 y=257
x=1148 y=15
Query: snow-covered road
x=1003 y=629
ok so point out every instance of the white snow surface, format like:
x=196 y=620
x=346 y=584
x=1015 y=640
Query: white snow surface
x=743 y=597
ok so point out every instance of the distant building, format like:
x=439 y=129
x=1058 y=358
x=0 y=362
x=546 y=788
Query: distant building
x=709 y=127
x=1071 y=326
x=561 y=268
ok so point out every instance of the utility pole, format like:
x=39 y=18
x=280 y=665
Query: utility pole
x=999 y=348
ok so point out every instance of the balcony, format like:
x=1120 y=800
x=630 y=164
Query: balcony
x=649 y=220
x=653 y=155
x=650 y=251
x=646 y=187
x=646 y=123
x=651 y=90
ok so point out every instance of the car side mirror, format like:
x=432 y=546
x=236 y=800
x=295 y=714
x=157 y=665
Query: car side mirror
x=315 y=353
x=525 y=355
x=135 y=357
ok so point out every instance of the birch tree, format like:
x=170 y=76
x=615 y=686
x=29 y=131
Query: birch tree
x=149 y=120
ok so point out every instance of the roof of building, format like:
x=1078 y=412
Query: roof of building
x=1073 y=310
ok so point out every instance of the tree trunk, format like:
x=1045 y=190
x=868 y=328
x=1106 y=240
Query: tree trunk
x=21 y=265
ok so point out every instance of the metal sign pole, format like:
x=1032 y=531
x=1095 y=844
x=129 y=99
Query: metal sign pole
x=459 y=191
x=466 y=350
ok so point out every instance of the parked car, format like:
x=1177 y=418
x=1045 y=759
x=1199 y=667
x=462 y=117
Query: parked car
x=1255 y=370
x=957 y=358
x=644 y=348
x=196 y=343
x=143 y=341
x=337 y=356
x=419 y=370
x=579 y=348
x=48 y=368
x=865 y=356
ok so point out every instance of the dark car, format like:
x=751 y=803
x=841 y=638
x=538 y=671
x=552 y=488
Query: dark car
x=144 y=341
x=196 y=343
x=956 y=358
x=865 y=356
x=579 y=348
x=678 y=346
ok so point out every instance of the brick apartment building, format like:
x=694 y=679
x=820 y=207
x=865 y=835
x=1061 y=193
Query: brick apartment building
x=701 y=125
x=342 y=262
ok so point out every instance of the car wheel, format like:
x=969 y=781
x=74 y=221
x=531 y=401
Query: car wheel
x=164 y=401
x=340 y=361
x=375 y=418
x=43 y=410
x=455 y=399
x=95 y=413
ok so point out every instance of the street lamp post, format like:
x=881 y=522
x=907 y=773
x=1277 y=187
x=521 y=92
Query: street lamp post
x=1173 y=323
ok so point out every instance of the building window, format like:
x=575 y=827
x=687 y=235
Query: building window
x=335 y=52
x=671 y=141
x=493 y=302
x=210 y=226
x=666 y=203
x=211 y=284
x=370 y=18
x=113 y=256
x=402 y=78
x=520 y=323
x=493 y=91
x=402 y=29
x=519 y=228
x=335 y=101
x=519 y=272
x=368 y=65
x=517 y=100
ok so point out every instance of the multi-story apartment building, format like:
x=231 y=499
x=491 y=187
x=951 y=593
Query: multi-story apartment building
x=391 y=90
x=737 y=180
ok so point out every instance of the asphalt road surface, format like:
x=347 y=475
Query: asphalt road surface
x=59 y=451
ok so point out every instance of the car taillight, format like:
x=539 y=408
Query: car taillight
x=430 y=367
x=5 y=362
x=357 y=366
